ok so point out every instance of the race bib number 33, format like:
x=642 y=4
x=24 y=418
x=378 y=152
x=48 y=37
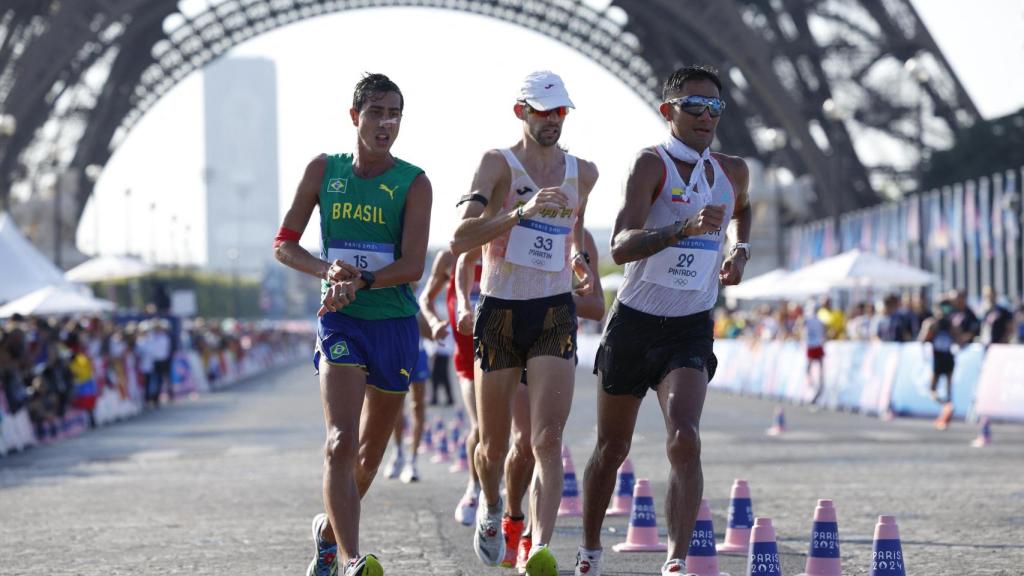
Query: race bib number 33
x=537 y=245
x=371 y=256
x=686 y=265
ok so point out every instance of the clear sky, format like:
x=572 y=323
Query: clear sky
x=459 y=73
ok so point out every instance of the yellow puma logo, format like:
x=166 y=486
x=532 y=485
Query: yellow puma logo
x=390 y=191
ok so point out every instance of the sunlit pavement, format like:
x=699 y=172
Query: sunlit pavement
x=228 y=484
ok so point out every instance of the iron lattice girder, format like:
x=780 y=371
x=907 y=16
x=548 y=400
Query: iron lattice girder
x=657 y=37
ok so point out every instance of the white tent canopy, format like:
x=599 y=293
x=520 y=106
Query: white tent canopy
x=23 y=266
x=59 y=299
x=856 y=269
x=767 y=286
x=108 y=268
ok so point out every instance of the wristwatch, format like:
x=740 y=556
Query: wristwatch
x=368 y=278
x=744 y=246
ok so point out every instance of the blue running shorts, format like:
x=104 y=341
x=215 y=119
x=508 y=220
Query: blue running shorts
x=385 y=349
x=422 y=371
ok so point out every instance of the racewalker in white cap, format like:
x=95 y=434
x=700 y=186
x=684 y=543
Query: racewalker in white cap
x=525 y=211
x=669 y=234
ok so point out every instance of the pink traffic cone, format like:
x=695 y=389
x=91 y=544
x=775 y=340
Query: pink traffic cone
x=984 y=434
x=701 y=558
x=570 y=505
x=741 y=520
x=462 y=463
x=778 y=423
x=441 y=454
x=642 y=535
x=886 y=550
x=622 y=501
x=823 y=557
x=763 y=559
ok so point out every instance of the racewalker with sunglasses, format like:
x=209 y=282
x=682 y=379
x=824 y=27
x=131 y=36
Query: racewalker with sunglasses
x=526 y=211
x=659 y=335
x=374 y=221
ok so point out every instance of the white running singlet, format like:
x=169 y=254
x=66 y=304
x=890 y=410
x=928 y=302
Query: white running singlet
x=681 y=279
x=532 y=260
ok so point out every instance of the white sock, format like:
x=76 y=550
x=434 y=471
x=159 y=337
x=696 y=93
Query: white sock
x=536 y=548
x=590 y=554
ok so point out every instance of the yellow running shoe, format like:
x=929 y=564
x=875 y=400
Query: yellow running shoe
x=364 y=566
x=542 y=562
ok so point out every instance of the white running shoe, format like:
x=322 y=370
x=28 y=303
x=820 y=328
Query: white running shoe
x=488 y=541
x=410 y=473
x=587 y=563
x=465 y=510
x=673 y=567
x=394 y=467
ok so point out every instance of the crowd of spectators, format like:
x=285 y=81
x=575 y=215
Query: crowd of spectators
x=891 y=319
x=50 y=366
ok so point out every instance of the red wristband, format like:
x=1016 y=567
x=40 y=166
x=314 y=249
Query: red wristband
x=285 y=235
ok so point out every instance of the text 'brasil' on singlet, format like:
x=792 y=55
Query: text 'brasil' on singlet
x=681 y=279
x=532 y=260
x=361 y=223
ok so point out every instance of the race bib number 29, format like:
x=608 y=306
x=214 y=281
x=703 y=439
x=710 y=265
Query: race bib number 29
x=537 y=245
x=686 y=265
x=371 y=256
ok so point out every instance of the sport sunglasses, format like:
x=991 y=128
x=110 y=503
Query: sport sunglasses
x=561 y=111
x=695 y=105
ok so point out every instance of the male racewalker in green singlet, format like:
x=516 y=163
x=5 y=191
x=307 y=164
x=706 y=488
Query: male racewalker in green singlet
x=374 y=221
x=526 y=210
x=669 y=233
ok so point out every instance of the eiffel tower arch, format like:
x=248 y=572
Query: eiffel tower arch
x=816 y=82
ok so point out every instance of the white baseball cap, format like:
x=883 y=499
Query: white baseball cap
x=544 y=90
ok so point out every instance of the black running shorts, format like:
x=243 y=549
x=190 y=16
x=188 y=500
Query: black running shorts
x=638 y=350
x=507 y=333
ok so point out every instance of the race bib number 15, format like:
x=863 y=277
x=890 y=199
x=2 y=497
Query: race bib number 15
x=371 y=256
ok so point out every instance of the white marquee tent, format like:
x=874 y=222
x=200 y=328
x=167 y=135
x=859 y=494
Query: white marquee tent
x=23 y=268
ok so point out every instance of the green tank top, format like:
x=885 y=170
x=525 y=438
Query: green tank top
x=361 y=223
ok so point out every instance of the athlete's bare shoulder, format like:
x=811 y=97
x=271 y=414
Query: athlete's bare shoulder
x=735 y=166
x=588 y=172
x=648 y=159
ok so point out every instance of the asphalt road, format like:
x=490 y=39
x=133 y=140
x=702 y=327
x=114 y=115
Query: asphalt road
x=227 y=484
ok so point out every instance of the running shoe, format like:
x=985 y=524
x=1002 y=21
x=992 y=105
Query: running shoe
x=323 y=563
x=673 y=567
x=525 y=543
x=364 y=566
x=513 y=530
x=465 y=511
x=587 y=563
x=542 y=562
x=410 y=473
x=394 y=467
x=488 y=541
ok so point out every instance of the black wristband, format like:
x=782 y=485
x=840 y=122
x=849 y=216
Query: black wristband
x=585 y=254
x=368 y=278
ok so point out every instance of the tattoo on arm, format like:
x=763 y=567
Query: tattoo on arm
x=633 y=245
